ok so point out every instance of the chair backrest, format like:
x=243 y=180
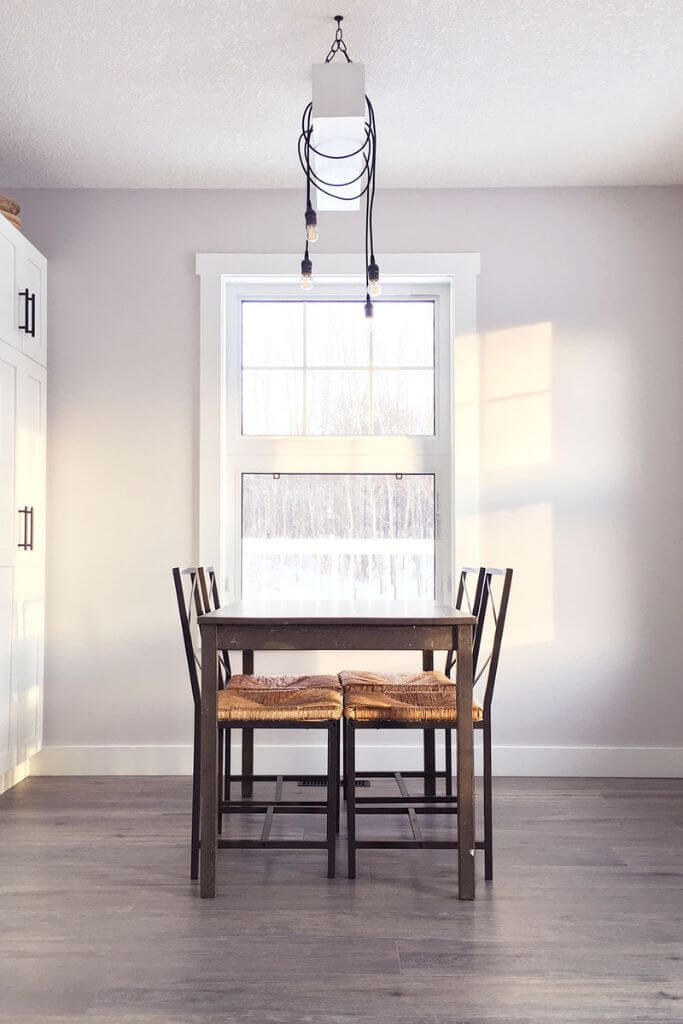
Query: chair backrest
x=197 y=593
x=492 y=608
x=469 y=600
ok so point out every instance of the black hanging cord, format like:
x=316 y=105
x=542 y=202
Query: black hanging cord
x=365 y=178
x=371 y=196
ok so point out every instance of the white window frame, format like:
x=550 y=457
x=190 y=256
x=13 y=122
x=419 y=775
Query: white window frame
x=224 y=454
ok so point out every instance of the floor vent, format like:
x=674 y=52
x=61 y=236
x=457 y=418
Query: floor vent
x=312 y=780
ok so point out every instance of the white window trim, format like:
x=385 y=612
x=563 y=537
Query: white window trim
x=216 y=494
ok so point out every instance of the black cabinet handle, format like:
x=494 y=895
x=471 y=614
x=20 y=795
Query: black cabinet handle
x=27 y=543
x=24 y=295
x=29 y=324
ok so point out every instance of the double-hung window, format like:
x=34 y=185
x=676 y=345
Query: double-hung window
x=337 y=447
x=326 y=438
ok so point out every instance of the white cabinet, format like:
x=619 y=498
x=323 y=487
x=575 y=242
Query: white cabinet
x=23 y=381
x=31 y=299
x=23 y=294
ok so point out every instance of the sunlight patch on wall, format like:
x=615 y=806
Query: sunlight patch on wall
x=516 y=397
x=516 y=361
x=504 y=435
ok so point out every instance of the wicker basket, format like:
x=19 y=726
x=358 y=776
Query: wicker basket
x=10 y=209
x=11 y=218
x=8 y=205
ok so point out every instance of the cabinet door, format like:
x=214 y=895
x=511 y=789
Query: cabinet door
x=8 y=291
x=31 y=300
x=29 y=572
x=8 y=402
x=8 y=519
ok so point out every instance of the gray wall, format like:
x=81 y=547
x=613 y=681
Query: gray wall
x=581 y=333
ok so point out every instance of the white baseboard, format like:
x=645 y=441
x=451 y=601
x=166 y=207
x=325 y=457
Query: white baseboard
x=576 y=762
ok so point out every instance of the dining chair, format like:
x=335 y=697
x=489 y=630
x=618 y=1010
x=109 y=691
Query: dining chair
x=385 y=704
x=248 y=701
x=468 y=596
x=472 y=602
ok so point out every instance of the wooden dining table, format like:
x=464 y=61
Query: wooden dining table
x=293 y=625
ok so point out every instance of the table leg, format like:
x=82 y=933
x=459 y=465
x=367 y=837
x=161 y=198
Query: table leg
x=247 y=737
x=465 y=761
x=350 y=780
x=209 y=766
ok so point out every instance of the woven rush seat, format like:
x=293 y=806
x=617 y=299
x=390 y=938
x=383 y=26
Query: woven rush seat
x=373 y=680
x=404 y=703
x=257 y=682
x=252 y=698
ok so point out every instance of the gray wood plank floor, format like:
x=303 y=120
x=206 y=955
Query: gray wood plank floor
x=100 y=922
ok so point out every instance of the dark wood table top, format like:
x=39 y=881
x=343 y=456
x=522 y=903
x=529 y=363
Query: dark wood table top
x=282 y=612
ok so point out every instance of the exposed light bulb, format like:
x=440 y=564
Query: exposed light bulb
x=369 y=310
x=311 y=224
x=374 y=286
x=306 y=274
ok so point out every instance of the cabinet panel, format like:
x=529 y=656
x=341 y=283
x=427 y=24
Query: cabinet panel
x=8 y=506
x=27 y=659
x=7 y=708
x=8 y=331
x=9 y=360
x=29 y=575
x=30 y=309
x=30 y=456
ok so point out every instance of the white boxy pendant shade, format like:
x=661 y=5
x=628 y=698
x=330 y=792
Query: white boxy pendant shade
x=339 y=128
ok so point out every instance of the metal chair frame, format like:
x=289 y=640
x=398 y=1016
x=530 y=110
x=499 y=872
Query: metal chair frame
x=197 y=593
x=429 y=773
x=430 y=802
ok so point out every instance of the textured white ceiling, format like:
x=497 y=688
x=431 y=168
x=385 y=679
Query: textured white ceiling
x=208 y=93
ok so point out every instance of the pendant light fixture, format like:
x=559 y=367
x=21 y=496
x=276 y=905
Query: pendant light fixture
x=337 y=151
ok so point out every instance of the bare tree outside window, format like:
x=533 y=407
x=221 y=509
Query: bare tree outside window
x=338 y=535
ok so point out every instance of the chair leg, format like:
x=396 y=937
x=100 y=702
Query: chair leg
x=338 y=733
x=196 y=761
x=429 y=761
x=488 y=803
x=448 y=761
x=219 y=812
x=350 y=779
x=227 y=770
x=332 y=795
x=247 y=763
x=345 y=743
